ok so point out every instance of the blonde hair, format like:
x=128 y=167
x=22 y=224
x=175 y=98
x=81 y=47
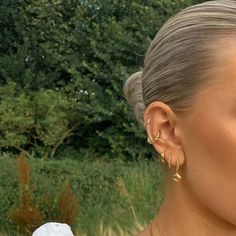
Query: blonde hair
x=179 y=56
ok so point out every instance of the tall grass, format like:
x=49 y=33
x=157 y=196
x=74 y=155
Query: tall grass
x=135 y=200
x=115 y=197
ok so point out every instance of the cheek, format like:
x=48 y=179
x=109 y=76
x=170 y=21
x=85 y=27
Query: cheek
x=210 y=169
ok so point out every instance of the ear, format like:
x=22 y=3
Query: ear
x=163 y=119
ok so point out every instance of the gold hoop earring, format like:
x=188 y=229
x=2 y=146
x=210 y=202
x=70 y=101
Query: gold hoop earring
x=163 y=157
x=155 y=139
x=169 y=160
x=177 y=176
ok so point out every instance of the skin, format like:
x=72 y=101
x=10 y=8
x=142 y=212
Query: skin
x=204 y=140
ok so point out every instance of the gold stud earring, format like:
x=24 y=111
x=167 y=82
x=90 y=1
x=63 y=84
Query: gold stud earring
x=169 y=161
x=177 y=176
x=163 y=157
x=147 y=123
x=155 y=139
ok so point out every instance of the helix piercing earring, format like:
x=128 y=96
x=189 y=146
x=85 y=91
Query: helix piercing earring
x=147 y=123
x=155 y=139
x=177 y=176
x=163 y=157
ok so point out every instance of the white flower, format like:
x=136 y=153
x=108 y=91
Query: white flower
x=53 y=229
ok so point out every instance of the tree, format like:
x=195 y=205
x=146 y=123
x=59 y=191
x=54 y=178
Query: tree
x=71 y=59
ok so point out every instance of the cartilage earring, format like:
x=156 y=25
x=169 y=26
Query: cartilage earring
x=147 y=123
x=163 y=157
x=169 y=160
x=177 y=176
x=155 y=139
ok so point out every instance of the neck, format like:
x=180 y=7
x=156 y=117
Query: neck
x=181 y=214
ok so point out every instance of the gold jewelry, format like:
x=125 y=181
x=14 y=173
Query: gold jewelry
x=163 y=157
x=169 y=160
x=155 y=139
x=177 y=176
x=147 y=123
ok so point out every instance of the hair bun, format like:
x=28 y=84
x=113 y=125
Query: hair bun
x=133 y=93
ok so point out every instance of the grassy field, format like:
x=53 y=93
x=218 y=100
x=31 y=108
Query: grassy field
x=132 y=203
x=115 y=197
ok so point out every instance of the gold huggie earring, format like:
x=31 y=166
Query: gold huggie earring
x=169 y=160
x=177 y=176
x=163 y=157
x=155 y=139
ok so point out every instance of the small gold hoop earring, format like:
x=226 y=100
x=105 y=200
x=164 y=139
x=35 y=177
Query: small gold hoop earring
x=163 y=157
x=169 y=160
x=155 y=139
x=177 y=176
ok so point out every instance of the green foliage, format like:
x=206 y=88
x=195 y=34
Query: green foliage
x=56 y=119
x=16 y=117
x=69 y=59
x=115 y=193
x=39 y=122
x=9 y=192
x=27 y=216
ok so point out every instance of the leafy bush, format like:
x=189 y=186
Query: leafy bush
x=69 y=59
x=40 y=122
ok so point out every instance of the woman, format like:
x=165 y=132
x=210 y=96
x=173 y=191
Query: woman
x=186 y=97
